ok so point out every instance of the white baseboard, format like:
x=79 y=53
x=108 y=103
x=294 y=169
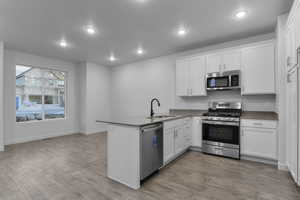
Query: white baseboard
x=37 y=137
x=282 y=167
x=194 y=148
x=259 y=159
x=91 y=133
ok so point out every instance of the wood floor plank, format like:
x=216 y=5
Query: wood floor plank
x=74 y=168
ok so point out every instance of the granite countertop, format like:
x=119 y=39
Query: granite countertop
x=138 y=121
x=259 y=115
x=191 y=112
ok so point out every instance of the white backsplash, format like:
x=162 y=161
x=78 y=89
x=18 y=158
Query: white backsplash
x=250 y=103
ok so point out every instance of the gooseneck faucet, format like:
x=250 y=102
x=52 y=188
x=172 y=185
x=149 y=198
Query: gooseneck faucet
x=158 y=103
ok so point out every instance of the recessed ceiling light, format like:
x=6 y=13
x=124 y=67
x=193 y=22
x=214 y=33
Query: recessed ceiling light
x=63 y=43
x=241 y=14
x=182 y=31
x=112 y=58
x=90 y=30
x=140 y=51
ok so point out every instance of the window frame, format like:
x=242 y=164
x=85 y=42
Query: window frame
x=66 y=95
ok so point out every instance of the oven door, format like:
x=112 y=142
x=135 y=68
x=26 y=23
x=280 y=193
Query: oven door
x=217 y=83
x=221 y=133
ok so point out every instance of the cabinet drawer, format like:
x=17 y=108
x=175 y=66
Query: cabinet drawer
x=259 y=123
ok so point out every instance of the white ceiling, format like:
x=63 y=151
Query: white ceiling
x=35 y=26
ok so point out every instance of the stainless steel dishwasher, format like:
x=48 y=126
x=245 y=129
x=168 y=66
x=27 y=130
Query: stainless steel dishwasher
x=151 y=149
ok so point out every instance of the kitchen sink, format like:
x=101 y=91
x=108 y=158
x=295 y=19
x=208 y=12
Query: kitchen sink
x=161 y=116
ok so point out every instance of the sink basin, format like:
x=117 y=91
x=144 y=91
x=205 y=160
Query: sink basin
x=161 y=116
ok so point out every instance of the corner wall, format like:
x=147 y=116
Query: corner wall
x=95 y=97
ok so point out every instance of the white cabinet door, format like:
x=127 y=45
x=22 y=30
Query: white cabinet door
x=197 y=132
x=179 y=140
x=258 y=69
x=197 y=76
x=213 y=63
x=182 y=78
x=231 y=60
x=187 y=135
x=168 y=144
x=259 y=142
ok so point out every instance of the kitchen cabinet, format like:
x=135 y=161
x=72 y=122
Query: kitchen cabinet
x=177 y=138
x=259 y=138
x=190 y=76
x=213 y=63
x=197 y=132
x=182 y=77
x=224 y=61
x=168 y=144
x=198 y=76
x=258 y=69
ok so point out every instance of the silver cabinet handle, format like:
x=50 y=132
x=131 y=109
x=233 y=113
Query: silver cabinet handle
x=191 y=92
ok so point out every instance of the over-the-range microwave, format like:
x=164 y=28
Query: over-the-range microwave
x=223 y=80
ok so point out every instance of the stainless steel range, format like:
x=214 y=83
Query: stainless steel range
x=221 y=129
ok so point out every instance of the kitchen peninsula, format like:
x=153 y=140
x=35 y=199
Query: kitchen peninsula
x=135 y=146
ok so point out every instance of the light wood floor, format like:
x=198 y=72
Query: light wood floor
x=73 y=167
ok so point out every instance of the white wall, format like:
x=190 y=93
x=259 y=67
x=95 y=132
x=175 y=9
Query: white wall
x=27 y=131
x=1 y=98
x=133 y=86
x=282 y=87
x=95 y=97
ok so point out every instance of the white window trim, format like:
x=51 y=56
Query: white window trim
x=66 y=95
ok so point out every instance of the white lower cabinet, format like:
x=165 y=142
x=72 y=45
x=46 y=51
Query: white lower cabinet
x=168 y=144
x=177 y=138
x=197 y=132
x=259 y=139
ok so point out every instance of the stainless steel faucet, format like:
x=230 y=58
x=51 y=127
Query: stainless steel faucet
x=158 y=103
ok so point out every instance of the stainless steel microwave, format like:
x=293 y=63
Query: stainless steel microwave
x=223 y=80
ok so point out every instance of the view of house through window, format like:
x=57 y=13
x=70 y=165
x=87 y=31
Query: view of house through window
x=40 y=93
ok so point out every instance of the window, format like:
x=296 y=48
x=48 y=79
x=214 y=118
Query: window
x=40 y=93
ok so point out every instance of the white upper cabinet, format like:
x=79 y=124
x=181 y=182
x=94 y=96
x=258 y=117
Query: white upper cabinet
x=182 y=77
x=231 y=60
x=224 y=61
x=190 y=76
x=198 y=76
x=258 y=69
x=213 y=63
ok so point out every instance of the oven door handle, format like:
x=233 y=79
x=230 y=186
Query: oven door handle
x=221 y=123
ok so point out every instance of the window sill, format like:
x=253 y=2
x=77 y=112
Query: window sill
x=42 y=121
